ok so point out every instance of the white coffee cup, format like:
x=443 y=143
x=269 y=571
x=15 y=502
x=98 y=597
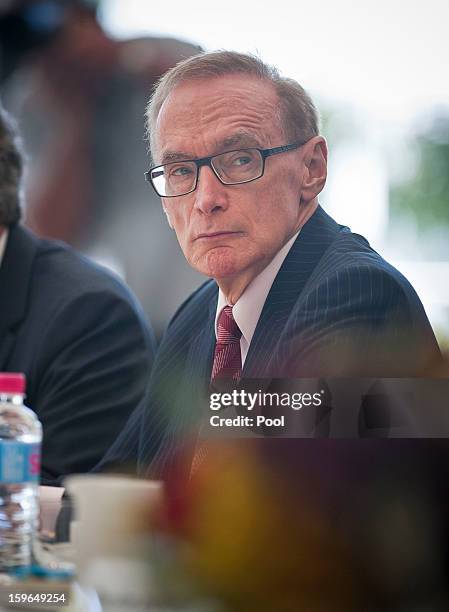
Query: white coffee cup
x=112 y=516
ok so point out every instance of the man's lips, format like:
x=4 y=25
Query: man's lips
x=212 y=235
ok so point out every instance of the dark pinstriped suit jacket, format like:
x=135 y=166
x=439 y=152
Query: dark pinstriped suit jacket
x=336 y=308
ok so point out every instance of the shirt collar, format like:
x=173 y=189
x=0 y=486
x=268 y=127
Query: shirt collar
x=3 y=240
x=247 y=309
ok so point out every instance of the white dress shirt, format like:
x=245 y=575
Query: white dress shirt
x=247 y=309
x=3 y=240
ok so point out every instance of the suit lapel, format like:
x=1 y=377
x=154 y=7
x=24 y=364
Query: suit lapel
x=189 y=399
x=202 y=350
x=315 y=237
x=15 y=277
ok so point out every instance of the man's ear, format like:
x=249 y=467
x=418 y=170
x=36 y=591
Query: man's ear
x=168 y=217
x=315 y=168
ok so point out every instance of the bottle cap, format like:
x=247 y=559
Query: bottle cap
x=12 y=382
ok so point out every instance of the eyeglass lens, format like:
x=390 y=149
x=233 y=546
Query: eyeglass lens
x=234 y=167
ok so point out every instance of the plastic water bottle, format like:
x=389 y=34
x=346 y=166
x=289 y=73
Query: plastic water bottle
x=20 y=447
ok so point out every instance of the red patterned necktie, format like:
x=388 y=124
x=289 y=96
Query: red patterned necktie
x=227 y=357
x=227 y=365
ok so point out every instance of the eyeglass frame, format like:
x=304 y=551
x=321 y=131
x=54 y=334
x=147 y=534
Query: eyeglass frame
x=207 y=161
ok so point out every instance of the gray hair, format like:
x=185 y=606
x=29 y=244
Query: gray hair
x=298 y=115
x=11 y=170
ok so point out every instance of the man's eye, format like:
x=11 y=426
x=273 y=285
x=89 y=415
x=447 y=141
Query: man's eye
x=242 y=160
x=180 y=171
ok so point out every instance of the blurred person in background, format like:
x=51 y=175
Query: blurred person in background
x=80 y=96
x=239 y=165
x=74 y=329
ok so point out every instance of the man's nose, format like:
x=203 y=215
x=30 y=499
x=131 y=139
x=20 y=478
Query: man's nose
x=210 y=193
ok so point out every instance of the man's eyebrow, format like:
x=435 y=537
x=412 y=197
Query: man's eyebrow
x=171 y=156
x=238 y=139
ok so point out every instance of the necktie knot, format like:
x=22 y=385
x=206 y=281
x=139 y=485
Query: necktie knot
x=227 y=358
x=228 y=332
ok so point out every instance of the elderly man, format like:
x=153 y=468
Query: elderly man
x=72 y=328
x=239 y=167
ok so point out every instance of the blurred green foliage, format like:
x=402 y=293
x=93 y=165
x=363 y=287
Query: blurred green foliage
x=425 y=195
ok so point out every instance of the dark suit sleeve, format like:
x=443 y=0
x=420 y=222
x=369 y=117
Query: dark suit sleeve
x=122 y=455
x=361 y=321
x=97 y=362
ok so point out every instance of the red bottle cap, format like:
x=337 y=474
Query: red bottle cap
x=12 y=382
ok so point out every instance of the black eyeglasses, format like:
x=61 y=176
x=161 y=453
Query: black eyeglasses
x=231 y=168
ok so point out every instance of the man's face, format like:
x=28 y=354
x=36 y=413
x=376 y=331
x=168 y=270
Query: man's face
x=230 y=231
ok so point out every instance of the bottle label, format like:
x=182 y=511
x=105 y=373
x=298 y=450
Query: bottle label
x=19 y=462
